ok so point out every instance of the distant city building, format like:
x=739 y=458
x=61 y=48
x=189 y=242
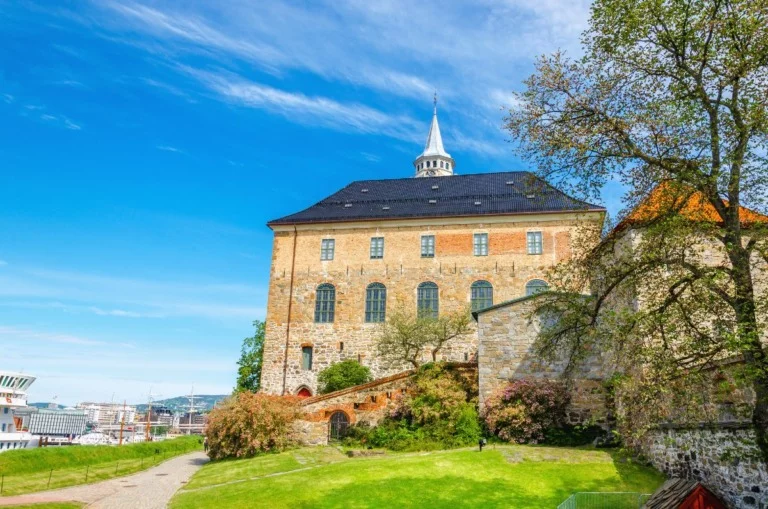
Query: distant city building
x=107 y=414
x=160 y=416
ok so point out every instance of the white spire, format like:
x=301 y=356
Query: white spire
x=434 y=161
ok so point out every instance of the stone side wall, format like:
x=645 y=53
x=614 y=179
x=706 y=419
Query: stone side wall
x=506 y=337
x=722 y=457
x=454 y=268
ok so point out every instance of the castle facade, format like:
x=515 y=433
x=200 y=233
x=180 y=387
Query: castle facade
x=437 y=242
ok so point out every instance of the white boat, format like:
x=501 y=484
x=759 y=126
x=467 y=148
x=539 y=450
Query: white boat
x=13 y=395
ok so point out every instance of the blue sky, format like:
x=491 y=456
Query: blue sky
x=144 y=145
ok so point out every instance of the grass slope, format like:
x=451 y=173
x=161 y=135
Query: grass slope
x=509 y=476
x=29 y=470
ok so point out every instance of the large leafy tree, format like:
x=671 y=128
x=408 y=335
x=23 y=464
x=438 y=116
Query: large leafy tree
x=251 y=358
x=407 y=337
x=669 y=93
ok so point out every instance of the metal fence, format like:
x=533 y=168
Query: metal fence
x=596 y=500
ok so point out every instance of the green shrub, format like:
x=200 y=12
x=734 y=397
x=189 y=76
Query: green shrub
x=341 y=375
x=523 y=409
x=437 y=412
x=247 y=424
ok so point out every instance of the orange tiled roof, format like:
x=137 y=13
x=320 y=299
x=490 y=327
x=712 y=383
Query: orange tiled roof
x=672 y=197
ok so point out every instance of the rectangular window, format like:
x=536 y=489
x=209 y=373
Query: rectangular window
x=481 y=244
x=427 y=246
x=306 y=358
x=535 y=245
x=377 y=248
x=327 y=247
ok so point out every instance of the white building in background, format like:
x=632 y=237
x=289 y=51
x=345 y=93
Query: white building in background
x=107 y=414
x=13 y=396
x=52 y=425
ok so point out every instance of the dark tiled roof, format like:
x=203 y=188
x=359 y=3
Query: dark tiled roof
x=514 y=192
x=671 y=494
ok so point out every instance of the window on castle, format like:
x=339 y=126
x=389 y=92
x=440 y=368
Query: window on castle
x=481 y=244
x=481 y=295
x=377 y=248
x=306 y=358
x=448 y=166
x=427 y=300
x=375 y=303
x=427 y=246
x=441 y=164
x=327 y=246
x=535 y=244
x=535 y=286
x=325 y=303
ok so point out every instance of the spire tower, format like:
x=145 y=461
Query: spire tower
x=434 y=161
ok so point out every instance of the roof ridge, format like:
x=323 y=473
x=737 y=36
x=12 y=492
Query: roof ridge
x=438 y=179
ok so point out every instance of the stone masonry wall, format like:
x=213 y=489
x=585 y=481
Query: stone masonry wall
x=722 y=457
x=454 y=268
x=506 y=337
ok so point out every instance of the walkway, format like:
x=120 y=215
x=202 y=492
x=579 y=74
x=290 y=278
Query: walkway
x=150 y=489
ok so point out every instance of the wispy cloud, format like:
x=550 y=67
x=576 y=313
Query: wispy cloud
x=121 y=297
x=3 y=262
x=60 y=120
x=17 y=334
x=166 y=87
x=168 y=148
x=310 y=110
x=8 y=98
x=69 y=83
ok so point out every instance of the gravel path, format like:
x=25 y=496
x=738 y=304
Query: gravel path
x=150 y=489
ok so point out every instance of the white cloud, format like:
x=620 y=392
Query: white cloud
x=168 y=148
x=473 y=54
x=8 y=98
x=16 y=334
x=310 y=110
x=120 y=297
x=59 y=120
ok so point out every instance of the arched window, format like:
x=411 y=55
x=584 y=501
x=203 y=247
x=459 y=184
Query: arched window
x=325 y=303
x=427 y=300
x=375 y=302
x=535 y=286
x=304 y=392
x=482 y=295
x=448 y=166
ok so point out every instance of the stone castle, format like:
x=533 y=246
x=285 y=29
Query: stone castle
x=436 y=241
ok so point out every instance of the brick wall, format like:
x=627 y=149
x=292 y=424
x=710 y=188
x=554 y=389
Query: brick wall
x=454 y=268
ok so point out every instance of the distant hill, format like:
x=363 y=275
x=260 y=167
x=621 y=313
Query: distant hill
x=45 y=405
x=203 y=403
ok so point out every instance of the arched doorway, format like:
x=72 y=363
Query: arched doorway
x=338 y=425
x=304 y=393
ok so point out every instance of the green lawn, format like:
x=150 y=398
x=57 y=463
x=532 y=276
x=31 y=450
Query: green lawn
x=30 y=470
x=508 y=476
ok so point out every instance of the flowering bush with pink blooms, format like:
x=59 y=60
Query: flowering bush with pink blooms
x=248 y=424
x=523 y=410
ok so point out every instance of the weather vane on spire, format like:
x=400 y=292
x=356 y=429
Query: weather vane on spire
x=434 y=101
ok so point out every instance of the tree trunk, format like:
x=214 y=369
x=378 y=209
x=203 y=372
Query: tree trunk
x=748 y=334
